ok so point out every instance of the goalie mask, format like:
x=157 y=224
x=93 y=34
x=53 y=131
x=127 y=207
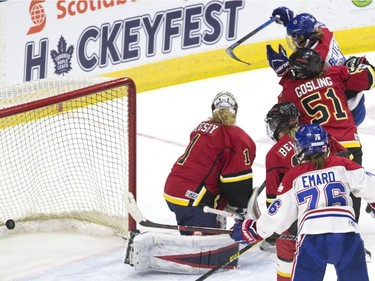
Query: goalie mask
x=305 y=63
x=301 y=31
x=310 y=139
x=281 y=116
x=224 y=100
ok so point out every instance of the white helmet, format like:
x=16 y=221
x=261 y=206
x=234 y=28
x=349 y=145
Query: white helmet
x=224 y=100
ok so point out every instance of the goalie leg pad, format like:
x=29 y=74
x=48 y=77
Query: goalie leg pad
x=175 y=253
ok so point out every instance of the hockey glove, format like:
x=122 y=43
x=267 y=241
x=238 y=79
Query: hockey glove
x=356 y=61
x=278 y=61
x=245 y=232
x=285 y=15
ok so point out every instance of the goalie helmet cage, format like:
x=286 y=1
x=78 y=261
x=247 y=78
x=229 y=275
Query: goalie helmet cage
x=68 y=151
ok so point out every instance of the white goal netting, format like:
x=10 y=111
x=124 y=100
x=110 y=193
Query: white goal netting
x=67 y=150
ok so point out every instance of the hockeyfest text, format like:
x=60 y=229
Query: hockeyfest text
x=131 y=39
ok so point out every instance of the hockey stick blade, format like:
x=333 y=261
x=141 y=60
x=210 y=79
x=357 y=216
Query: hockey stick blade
x=230 y=49
x=230 y=52
x=135 y=212
x=253 y=210
x=132 y=208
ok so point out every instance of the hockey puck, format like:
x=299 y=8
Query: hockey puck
x=10 y=224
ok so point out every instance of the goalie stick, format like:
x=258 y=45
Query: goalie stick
x=135 y=212
x=230 y=49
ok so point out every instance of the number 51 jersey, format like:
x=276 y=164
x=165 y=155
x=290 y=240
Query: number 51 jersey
x=322 y=99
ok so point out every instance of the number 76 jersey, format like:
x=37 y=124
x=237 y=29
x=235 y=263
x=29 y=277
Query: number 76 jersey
x=319 y=199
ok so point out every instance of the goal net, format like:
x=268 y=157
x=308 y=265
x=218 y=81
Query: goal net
x=67 y=149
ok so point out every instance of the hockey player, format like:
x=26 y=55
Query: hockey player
x=282 y=124
x=316 y=192
x=319 y=94
x=215 y=170
x=304 y=31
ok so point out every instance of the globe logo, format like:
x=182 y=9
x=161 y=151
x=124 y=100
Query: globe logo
x=37 y=14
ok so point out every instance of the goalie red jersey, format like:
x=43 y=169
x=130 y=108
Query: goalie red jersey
x=322 y=99
x=216 y=163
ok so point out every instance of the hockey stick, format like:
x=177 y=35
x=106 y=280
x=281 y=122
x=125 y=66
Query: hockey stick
x=230 y=49
x=237 y=255
x=135 y=212
x=253 y=207
x=231 y=258
x=253 y=210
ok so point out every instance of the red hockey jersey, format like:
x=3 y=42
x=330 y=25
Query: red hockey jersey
x=322 y=99
x=216 y=163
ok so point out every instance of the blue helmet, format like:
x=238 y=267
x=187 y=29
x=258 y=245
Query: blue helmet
x=311 y=139
x=301 y=31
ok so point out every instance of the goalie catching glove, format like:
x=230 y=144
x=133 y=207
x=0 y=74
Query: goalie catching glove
x=278 y=60
x=245 y=232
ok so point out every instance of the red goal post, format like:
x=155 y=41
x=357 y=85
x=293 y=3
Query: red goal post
x=68 y=151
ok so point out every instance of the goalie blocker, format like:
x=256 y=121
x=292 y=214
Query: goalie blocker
x=175 y=253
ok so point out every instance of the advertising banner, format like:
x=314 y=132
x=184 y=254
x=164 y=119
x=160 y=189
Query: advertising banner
x=47 y=38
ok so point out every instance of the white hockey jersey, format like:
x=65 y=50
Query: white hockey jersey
x=319 y=199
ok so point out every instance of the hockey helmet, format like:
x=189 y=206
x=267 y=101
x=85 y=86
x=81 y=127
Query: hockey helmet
x=224 y=100
x=310 y=139
x=305 y=63
x=301 y=31
x=280 y=117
